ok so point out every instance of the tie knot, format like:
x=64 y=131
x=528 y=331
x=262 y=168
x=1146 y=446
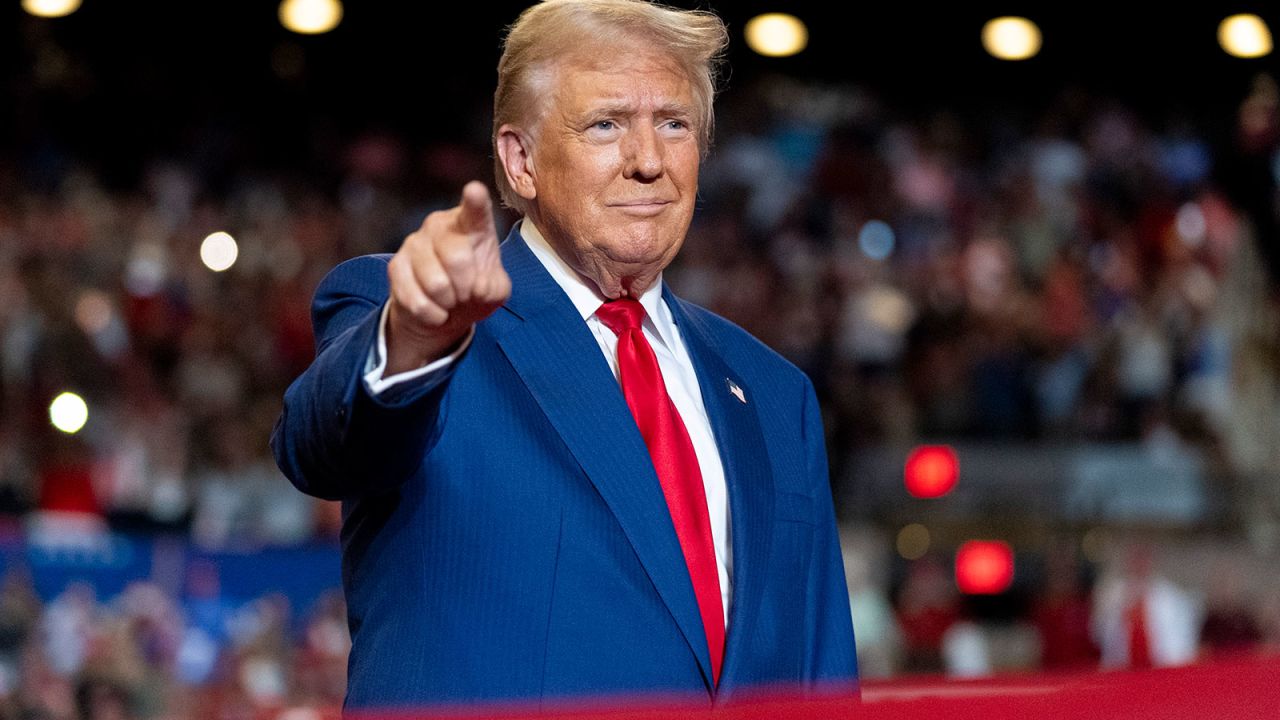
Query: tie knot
x=621 y=315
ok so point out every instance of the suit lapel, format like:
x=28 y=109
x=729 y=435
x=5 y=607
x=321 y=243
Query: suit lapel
x=736 y=426
x=559 y=361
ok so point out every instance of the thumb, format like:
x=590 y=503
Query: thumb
x=476 y=210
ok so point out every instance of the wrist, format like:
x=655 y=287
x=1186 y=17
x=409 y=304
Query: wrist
x=410 y=347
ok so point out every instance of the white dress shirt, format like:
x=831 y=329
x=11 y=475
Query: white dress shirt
x=661 y=331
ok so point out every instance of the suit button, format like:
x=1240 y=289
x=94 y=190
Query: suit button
x=341 y=414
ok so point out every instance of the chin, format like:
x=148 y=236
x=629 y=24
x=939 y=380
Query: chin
x=641 y=245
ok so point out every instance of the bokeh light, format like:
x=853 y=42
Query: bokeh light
x=913 y=541
x=68 y=412
x=1245 y=36
x=50 y=8
x=889 y=310
x=876 y=239
x=93 y=311
x=219 y=251
x=310 y=17
x=1191 y=225
x=1011 y=38
x=776 y=34
x=984 y=567
x=931 y=471
x=146 y=269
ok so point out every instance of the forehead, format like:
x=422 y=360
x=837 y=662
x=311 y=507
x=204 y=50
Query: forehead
x=603 y=76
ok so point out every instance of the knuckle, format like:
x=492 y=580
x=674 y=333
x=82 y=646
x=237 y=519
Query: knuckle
x=435 y=218
x=436 y=283
x=400 y=296
x=396 y=264
x=425 y=312
x=455 y=256
x=411 y=241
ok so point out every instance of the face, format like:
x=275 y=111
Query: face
x=612 y=169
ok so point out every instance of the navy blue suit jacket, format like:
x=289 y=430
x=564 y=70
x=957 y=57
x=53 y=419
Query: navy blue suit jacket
x=504 y=533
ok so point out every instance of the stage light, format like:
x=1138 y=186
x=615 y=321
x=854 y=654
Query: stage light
x=68 y=412
x=50 y=8
x=876 y=239
x=931 y=471
x=913 y=541
x=776 y=34
x=1011 y=38
x=219 y=251
x=310 y=17
x=1245 y=36
x=984 y=567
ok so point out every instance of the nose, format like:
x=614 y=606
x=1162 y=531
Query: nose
x=643 y=153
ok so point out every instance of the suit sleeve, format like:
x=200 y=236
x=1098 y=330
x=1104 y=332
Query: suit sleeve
x=334 y=439
x=831 y=663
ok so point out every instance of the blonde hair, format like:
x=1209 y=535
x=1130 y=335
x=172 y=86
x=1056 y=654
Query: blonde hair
x=551 y=30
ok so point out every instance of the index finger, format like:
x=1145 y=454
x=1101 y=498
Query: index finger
x=476 y=209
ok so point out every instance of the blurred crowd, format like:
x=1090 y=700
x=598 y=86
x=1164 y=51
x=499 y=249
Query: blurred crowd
x=151 y=653
x=146 y=654
x=1076 y=274
x=1081 y=277
x=1141 y=602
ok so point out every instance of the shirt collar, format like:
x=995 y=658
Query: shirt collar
x=584 y=294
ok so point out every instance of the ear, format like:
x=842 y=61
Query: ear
x=515 y=149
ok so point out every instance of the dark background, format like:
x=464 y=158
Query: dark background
x=116 y=82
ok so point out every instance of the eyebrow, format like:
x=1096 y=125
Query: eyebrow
x=620 y=108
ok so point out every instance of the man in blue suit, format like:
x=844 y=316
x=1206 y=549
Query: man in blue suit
x=558 y=479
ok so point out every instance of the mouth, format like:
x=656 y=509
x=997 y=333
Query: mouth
x=644 y=207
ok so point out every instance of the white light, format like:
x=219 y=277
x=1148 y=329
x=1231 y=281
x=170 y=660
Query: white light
x=68 y=412
x=776 y=34
x=219 y=251
x=310 y=17
x=1245 y=36
x=51 y=8
x=1011 y=38
x=876 y=239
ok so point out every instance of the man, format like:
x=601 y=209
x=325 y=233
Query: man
x=558 y=479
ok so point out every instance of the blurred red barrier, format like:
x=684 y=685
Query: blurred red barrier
x=1243 y=688
x=1225 y=690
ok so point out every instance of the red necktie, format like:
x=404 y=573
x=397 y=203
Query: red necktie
x=673 y=459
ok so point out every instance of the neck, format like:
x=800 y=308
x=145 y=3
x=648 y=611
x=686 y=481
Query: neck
x=612 y=279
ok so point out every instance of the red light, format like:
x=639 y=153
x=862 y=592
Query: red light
x=932 y=471
x=984 y=567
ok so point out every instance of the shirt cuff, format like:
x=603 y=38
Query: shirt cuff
x=376 y=364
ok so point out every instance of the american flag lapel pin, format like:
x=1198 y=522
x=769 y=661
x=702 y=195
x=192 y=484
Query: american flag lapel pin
x=736 y=391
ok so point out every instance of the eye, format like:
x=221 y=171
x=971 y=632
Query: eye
x=604 y=125
x=677 y=125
